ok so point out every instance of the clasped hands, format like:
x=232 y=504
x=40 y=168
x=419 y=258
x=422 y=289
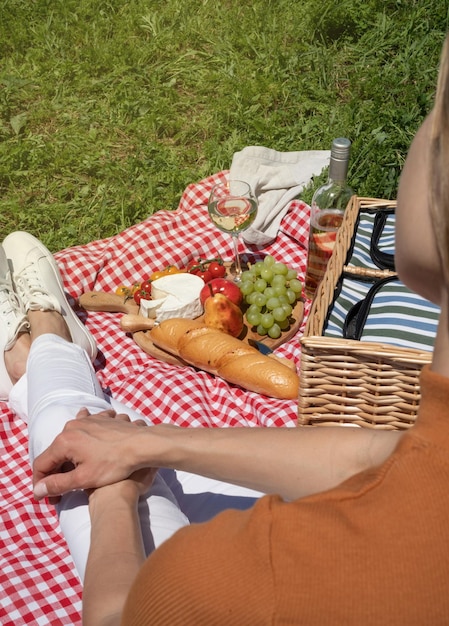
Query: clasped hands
x=92 y=451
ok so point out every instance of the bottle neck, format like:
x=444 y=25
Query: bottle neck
x=338 y=171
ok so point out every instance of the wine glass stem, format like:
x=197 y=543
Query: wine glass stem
x=237 y=265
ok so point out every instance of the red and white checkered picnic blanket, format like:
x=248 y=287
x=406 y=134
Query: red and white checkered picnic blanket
x=38 y=583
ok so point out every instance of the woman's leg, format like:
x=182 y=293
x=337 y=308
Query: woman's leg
x=61 y=381
x=198 y=497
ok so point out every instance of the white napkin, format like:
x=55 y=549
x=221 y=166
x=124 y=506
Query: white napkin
x=275 y=178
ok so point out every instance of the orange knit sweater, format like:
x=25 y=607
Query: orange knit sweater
x=374 y=550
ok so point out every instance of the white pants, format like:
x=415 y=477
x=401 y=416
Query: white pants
x=59 y=381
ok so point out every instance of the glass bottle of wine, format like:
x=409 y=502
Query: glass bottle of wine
x=328 y=205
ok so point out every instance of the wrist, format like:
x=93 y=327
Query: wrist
x=159 y=446
x=186 y=449
x=123 y=493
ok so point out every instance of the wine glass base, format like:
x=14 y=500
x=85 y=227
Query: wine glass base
x=235 y=276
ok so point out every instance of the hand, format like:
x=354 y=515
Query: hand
x=130 y=489
x=92 y=451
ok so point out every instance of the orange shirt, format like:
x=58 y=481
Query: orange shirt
x=374 y=550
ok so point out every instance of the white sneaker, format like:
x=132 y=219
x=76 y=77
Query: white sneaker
x=39 y=285
x=12 y=321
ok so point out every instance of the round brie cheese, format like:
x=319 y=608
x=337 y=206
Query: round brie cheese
x=174 y=295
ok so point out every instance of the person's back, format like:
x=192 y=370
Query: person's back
x=373 y=551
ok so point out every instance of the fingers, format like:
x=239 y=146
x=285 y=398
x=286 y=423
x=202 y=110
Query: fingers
x=40 y=491
x=51 y=460
x=86 y=454
x=55 y=473
x=84 y=413
x=123 y=417
x=52 y=472
x=55 y=485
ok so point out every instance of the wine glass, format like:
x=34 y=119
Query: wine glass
x=232 y=208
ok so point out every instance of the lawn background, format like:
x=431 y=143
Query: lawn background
x=109 y=109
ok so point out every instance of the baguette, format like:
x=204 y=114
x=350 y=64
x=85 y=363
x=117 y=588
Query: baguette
x=227 y=357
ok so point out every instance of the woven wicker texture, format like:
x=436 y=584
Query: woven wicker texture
x=367 y=384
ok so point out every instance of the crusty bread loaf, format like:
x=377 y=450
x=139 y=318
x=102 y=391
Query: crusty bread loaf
x=214 y=345
x=167 y=336
x=261 y=374
x=227 y=357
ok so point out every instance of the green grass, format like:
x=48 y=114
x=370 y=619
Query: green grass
x=109 y=109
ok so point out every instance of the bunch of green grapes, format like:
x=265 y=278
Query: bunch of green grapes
x=270 y=289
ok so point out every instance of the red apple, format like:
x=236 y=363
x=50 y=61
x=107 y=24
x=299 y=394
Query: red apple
x=224 y=286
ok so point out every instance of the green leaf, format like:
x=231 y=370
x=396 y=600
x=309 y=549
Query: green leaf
x=18 y=122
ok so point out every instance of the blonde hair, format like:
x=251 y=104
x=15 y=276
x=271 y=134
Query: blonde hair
x=439 y=162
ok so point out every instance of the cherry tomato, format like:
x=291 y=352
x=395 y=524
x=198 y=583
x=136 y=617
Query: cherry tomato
x=207 y=269
x=137 y=296
x=123 y=290
x=156 y=275
x=171 y=269
x=217 y=269
x=146 y=286
x=204 y=274
x=191 y=265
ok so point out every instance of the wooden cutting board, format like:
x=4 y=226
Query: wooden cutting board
x=139 y=326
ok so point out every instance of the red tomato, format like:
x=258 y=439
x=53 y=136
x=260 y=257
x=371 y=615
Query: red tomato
x=201 y=271
x=137 y=296
x=217 y=270
x=195 y=268
x=192 y=264
x=205 y=275
x=146 y=286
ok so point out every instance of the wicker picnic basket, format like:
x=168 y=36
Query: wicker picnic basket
x=369 y=384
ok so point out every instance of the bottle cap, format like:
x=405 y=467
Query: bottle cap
x=340 y=149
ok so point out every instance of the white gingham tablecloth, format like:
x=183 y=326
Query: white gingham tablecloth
x=38 y=583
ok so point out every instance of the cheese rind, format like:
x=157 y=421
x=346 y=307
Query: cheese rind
x=175 y=295
x=183 y=286
x=149 y=308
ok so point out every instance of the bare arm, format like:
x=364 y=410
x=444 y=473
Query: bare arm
x=116 y=550
x=292 y=462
